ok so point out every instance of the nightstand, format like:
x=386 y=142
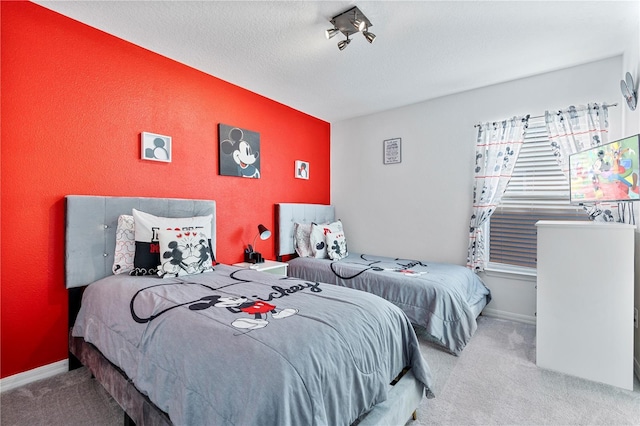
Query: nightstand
x=269 y=266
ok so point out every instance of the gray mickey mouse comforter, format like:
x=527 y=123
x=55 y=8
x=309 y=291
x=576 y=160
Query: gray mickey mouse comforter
x=241 y=347
x=445 y=299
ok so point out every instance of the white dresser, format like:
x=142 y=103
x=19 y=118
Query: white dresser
x=585 y=300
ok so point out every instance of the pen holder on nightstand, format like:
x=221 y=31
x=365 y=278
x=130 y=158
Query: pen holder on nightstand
x=253 y=257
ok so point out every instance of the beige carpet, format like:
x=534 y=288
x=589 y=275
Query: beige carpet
x=72 y=398
x=494 y=382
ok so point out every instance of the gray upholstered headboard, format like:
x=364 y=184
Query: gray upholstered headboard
x=90 y=234
x=287 y=214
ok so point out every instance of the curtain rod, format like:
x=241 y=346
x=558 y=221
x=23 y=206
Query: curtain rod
x=542 y=115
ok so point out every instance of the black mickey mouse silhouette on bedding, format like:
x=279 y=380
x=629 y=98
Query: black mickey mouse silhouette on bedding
x=259 y=308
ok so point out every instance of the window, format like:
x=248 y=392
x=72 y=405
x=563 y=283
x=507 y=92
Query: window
x=538 y=190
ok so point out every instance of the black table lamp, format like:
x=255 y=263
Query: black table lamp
x=251 y=256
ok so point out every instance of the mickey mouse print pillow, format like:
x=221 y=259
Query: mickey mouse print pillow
x=147 y=228
x=183 y=252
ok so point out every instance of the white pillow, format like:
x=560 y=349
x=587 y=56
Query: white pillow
x=336 y=245
x=301 y=238
x=183 y=253
x=147 y=257
x=318 y=243
x=125 y=245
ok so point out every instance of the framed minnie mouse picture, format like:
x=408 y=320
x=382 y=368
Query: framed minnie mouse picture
x=302 y=169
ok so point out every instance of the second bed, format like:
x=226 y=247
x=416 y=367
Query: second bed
x=444 y=299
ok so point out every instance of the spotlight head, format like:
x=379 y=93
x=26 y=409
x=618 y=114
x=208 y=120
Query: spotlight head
x=359 y=25
x=369 y=36
x=342 y=44
x=331 y=32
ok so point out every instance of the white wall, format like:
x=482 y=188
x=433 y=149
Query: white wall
x=632 y=125
x=420 y=208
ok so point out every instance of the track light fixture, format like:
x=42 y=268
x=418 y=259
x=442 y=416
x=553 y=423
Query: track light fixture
x=350 y=22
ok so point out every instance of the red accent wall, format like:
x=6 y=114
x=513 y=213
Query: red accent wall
x=74 y=102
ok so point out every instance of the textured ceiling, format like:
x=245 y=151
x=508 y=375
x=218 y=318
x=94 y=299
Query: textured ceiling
x=423 y=50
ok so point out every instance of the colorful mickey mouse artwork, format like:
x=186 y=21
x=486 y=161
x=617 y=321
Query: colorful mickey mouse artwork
x=239 y=152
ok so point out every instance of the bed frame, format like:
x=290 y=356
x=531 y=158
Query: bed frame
x=91 y=223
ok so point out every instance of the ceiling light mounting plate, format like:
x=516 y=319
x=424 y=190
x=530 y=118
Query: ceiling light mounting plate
x=344 y=21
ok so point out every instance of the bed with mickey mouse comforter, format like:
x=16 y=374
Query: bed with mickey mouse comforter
x=241 y=347
x=443 y=299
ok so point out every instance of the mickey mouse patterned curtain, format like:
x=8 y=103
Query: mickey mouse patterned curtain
x=575 y=129
x=497 y=147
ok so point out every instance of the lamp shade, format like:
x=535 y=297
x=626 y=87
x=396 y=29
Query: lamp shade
x=369 y=36
x=359 y=25
x=263 y=232
x=331 y=32
x=342 y=44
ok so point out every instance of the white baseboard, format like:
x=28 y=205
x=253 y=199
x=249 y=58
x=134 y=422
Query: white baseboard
x=21 y=379
x=509 y=316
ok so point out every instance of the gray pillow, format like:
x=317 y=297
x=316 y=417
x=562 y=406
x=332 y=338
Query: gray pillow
x=301 y=239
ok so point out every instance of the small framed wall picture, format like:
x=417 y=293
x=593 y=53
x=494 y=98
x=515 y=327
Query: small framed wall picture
x=302 y=169
x=392 y=151
x=155 y=147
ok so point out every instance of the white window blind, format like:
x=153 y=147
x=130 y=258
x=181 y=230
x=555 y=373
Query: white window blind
x=538 y=190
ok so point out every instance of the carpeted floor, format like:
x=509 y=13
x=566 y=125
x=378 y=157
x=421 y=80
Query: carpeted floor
x=494 y=382
x=72 y=398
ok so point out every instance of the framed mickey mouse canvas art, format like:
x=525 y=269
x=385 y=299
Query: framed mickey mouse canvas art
x=239 y=153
